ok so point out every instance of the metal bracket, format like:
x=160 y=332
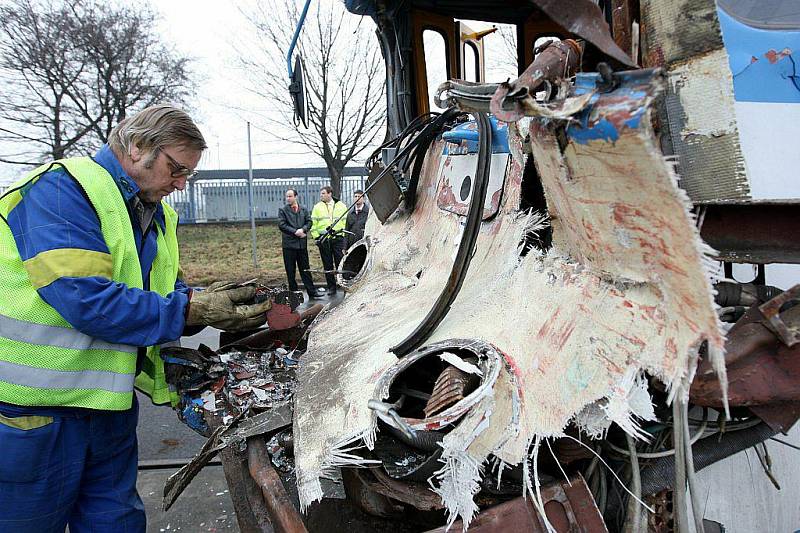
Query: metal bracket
x=789 y=334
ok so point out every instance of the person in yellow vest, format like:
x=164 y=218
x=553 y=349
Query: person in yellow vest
x=328 y=219
x=90 y=287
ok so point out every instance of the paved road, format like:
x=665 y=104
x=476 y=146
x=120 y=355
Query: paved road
x=204 y=506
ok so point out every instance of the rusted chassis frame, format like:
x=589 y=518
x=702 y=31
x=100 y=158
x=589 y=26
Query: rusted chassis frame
x=751 y=231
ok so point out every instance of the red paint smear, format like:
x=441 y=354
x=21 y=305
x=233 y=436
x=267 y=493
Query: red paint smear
x=564 y=334
x=545 y=329
x=671 y=349
x=773 y=56
x=446 y=197
x=633 y=340
x=557 y=334
x=672 y=267
x=495 y=203
x=591 y=235
x=626 y=303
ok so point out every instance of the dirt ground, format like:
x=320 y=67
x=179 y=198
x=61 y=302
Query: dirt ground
x=212 y=252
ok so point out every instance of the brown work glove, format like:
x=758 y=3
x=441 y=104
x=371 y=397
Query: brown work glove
x=225 y=309
x=223 y=285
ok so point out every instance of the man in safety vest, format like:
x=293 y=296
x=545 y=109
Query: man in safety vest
x=90 y=287
x=327 y=228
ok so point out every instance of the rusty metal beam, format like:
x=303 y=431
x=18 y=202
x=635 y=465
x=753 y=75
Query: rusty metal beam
x=569 y=506
x=248 y=505
x=285 y=518
x=789 y=333
x=763 y=372
x=751 y=231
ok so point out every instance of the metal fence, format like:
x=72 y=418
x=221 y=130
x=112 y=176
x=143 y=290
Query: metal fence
x=222 y=195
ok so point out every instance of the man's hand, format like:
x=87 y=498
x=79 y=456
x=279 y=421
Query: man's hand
x=300 y=233
x=224 y=308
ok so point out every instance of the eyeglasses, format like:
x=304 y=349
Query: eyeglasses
x=181 y=170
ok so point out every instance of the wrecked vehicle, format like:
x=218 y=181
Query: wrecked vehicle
x=538 y=334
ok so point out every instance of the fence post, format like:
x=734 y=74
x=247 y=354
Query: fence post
x=250 y=195
x=192 y=209
x=307 y=193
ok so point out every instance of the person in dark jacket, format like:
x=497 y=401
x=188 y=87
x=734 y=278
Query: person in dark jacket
x=294 y=221
x=356 y=220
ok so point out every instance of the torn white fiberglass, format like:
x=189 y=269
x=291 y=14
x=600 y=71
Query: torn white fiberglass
x=622 y=291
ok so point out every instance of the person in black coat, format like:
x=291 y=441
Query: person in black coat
x=356 y=220
x=294 y=221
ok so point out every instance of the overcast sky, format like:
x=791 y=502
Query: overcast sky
x=207 y=30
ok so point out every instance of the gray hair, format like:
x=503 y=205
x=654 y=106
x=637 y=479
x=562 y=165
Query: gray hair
x=156 y=127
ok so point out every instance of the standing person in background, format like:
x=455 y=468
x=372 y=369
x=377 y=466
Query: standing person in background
x=294 y=221
x=356 y=220
x=327 y=227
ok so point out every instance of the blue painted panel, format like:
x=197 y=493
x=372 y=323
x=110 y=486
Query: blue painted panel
x=763 y=62
x=609 y=113
x=463 y=139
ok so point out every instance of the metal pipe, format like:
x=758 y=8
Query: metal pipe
x=559 y=60
x=295 y=37
x=284 y=517
x=634 y=507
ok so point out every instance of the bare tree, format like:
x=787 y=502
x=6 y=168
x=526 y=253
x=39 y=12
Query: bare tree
x=131 y=67
x=344 y=78
x=507 y=53
x=38 y=68
x=70 y=70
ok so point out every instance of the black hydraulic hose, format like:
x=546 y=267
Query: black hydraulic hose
x=422 y=143
x=661 y=474
x=766 y=293
x=465 y=247
x=730 y=294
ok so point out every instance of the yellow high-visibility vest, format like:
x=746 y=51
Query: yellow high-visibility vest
x=323 y=215
x=44 y=361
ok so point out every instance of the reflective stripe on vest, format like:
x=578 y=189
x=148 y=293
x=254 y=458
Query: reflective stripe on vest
x=55 y=379
x=322 y=216
x=43 y=335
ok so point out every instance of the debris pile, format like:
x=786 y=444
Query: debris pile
x=258 y=379
x=251 y=374
x=241 y=391
x=231 y=382
x=281 y=450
